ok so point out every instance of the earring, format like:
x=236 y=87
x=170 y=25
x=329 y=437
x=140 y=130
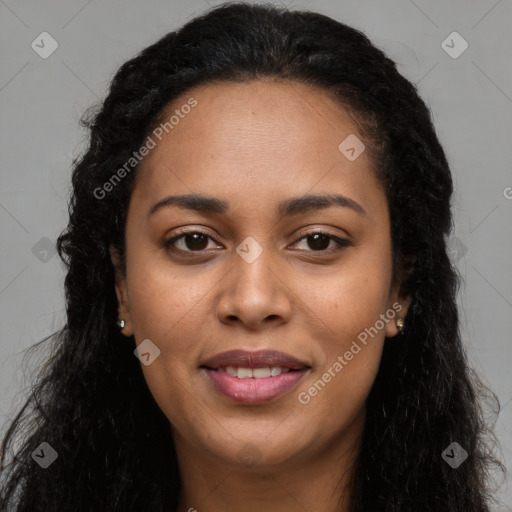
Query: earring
x=399 y=324
x=121 y=325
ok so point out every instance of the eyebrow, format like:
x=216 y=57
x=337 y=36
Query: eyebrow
x=287 y=208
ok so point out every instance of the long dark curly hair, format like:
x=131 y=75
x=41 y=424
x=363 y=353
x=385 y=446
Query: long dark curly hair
x=90 y=401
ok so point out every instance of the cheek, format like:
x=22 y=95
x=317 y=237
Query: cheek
x=169 y=309
x=340 y=385
x=165 y=301
x=350 y=301
x=352 y=307
x=170 y=320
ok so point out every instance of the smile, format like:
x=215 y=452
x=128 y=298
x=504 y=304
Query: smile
x=253 y=389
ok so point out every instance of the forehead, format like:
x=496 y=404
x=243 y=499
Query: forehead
x=263 y=138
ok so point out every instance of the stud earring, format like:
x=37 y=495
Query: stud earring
x=399 y=324
x=121 y=325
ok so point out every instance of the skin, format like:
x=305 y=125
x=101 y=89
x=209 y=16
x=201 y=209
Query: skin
x=253 y=145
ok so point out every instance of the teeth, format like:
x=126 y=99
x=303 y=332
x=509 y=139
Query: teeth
x=244 y=373
x=261 y=373
x=275 y=371
x=257 y=373
x=230 y=371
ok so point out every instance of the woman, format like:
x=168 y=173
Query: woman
x=260 y=220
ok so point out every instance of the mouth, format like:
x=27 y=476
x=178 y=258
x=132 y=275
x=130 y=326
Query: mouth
x=253 y=373
x=254 y=377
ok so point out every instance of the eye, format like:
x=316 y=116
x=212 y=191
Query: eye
x=191 y=241
x=197 y=241
x=319 y=241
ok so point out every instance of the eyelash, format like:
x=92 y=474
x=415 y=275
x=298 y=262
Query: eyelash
x=168 y=244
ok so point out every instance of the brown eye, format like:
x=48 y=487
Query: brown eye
x=191 y=241
x=195 y=241
x=319 y=242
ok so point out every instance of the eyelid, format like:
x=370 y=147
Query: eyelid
x=341 y=242
x=180 y=233
x=323 y=231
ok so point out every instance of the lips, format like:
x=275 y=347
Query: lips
x=254 y=377
x=260 y=359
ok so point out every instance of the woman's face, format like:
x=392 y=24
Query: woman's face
x=256 y=279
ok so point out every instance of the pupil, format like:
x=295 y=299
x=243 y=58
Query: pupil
x=319 y=241
x=198 y=241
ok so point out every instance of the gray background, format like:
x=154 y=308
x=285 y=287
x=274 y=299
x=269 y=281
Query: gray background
x=41 y=101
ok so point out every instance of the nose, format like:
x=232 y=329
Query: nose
x=255 y=295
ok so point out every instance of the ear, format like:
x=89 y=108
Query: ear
x=400 y=305
x=123 y=303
